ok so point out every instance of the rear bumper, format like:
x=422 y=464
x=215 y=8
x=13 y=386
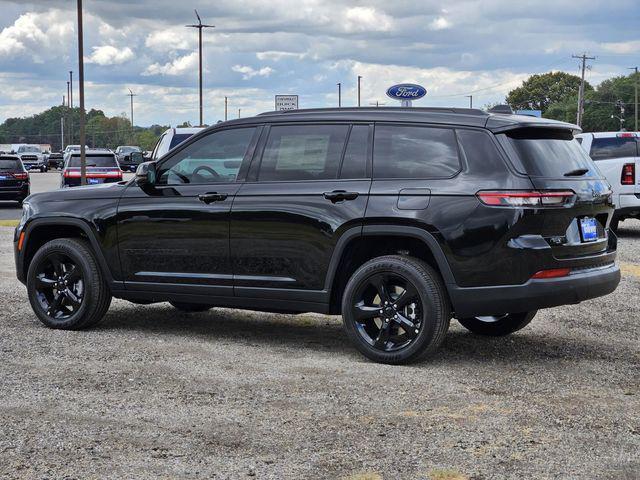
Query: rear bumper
x=14 y=193
x=535 y=294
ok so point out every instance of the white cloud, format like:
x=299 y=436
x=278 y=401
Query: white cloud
x=439 y=23
x=249 y=72
x=110 y=55
x=367 y=19
x=276 y=56
x=179 y=66
x=622 y=47
x=167 y=40
x=36 y=34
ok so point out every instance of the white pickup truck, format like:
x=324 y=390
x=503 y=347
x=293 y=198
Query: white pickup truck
x=617 y=155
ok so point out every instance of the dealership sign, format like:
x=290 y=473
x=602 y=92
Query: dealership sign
x=406 y=92
x=286 y=102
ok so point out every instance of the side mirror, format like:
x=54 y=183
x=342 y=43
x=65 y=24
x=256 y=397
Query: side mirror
x=136 y=157
x=146 y=174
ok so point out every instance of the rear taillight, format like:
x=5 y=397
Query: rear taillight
x=553 y=273
x=533 y=199
x=21 y=176
x=628 y=176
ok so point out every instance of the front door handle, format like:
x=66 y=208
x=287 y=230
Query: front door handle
x=340 y=196
x=212 y=197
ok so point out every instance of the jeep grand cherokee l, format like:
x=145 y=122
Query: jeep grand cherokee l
x=397 y=218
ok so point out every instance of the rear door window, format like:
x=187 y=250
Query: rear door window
x=613 y=147
x=544 y=152
x=414 y=152
x=303 y=152
x=354 y=164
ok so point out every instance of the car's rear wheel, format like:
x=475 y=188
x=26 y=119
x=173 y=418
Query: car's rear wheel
x=395 y=309
x=191 y=307
x=65 y=285
x=498 y=325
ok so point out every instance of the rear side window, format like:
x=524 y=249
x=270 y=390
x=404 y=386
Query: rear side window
x=178 y=138
x=303 y=152
x=354 y=164
x=9 y=164
x=544 y=152
x=414 y=152
x=94 y=161
x=614 y=147
x=480 y=151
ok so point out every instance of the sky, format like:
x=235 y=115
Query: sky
x=259 y=49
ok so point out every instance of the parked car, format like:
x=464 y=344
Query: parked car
x=101 y=167
x=617 y=155
x=32 y=158
x=69 y=149
x=56 y=160
x=14 y=179
x=129 y=159
x=396 y=218
x=172 y=138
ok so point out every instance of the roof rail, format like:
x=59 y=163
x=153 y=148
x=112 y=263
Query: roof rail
x=464 y=111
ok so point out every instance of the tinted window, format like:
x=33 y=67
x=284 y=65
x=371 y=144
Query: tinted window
x=414 y=152
x=544 y=152
x=616 y=147
x=215 y=158
x=354 y=164
x=480 y=151
x=9 y=164
x=178 y=139
x=94 y=161
x=29 y=149
x=303 y=152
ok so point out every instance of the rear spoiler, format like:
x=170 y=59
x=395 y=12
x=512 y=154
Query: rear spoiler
x=504 y=123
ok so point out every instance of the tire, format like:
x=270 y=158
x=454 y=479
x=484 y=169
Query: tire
x=416 y=297
x=614 y=224
x=191 y=307
x=85 y=283
x=498 y=326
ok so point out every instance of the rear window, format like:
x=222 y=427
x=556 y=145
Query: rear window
x=542 y=152
x=414 y=152
x=94 y=161
x=178 y=138
x=613 y=147
x=9 y=164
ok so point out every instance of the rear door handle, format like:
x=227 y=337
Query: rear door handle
x=212 y=197
x=340 y=196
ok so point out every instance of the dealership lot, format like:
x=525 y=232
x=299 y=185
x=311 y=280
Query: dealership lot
x=154 y=392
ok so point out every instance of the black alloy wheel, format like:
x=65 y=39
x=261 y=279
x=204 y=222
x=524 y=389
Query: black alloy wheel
x=59 y=286
x=395 y=309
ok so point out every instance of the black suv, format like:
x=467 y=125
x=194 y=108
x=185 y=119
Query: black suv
x=396 y=218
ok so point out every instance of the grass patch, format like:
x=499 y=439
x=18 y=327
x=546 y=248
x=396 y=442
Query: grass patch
x=446 y=475
x=9 y=223
x=630 y=269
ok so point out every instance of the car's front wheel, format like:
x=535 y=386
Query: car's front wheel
x=395 y=309
x=66 y=288
x=498 y=325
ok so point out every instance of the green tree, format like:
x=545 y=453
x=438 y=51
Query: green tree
x=541 y=90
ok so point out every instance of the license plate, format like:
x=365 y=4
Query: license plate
x=92 y=181
x=589 y=229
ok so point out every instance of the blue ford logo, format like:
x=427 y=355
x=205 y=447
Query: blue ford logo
x=406 y=91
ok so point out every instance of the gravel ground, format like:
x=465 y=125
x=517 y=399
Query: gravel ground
x=153 y=393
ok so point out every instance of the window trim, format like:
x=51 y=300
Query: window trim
x=248 y=155
x=420 y=125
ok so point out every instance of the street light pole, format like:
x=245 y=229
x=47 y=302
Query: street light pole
x=131 y=95
x=71 y=88
x=635 y=110
x=200 y=26
x=470 y=97
x=359 y=79
x=226 y=106
x=339 y=95
x=83 y=153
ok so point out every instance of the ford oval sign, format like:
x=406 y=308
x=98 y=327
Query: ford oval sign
x=406 y=91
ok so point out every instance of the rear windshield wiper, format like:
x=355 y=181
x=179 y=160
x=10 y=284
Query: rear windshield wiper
x=578 y=172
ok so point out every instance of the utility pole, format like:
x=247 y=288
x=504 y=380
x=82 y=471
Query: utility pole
x=359 y=79
x=131 y=95
x=339 y=95
x=68 y=96
x=62 y=133
x=83 y=153
x=584 y=59
x=70 y=88
x=470 y=97
x=200 y=26
x=226 y=106
x=635 y=110
x=239 y=110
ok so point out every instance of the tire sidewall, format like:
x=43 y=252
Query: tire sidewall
x=429 y=306
x=81 y=261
